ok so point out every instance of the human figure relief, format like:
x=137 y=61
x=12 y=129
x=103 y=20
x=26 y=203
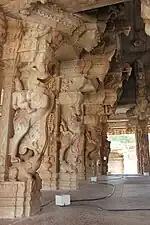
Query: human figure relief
x=20 y=97
x=32 y=106
x=93 y=147
x=70 y=141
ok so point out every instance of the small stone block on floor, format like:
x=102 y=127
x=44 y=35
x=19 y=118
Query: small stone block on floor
x=93 y=179
x=146 y=173
x=62 y=200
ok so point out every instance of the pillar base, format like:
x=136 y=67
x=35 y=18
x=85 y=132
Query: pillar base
x=68 y=181
x=49 y=183
x=19 y=199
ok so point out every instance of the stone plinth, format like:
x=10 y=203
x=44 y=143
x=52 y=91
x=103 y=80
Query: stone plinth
x=49 y=183
x=68 y=181
x=19 y=199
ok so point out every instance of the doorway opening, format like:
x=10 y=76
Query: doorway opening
x=122 y=159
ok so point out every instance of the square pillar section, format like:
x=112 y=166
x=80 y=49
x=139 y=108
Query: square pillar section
x=19 y=199
x=72 y=140
x=22 y=126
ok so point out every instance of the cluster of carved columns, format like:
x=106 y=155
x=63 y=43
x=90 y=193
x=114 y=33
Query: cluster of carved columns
x=60 y=86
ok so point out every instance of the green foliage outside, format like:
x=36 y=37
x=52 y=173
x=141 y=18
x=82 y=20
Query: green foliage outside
x=123 y=139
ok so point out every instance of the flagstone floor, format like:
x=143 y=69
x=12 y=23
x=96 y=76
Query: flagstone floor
x=130 y=195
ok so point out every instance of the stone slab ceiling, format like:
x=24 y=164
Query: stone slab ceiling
x=81 y=5
x=69 y=5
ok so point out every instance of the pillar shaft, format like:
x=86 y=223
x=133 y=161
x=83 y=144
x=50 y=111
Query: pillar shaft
x=138 y=153
x=9 y=60
x=105 y=149
x=142 y=147
x=97 y=147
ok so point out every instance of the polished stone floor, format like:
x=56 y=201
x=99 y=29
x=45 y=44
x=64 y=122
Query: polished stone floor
x=130 y=195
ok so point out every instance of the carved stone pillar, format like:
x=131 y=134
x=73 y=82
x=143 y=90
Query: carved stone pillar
x=3 y=149
x=97 y=147
x=29 y=109
x=93 y=143
x=17 y=198
x=2 y=41
x=138 y=153
x=138 y=117
x=105 y=149
x=79 y=89
x=10 y=63
x=142 y=107
x=143 y=145
x=72 y=139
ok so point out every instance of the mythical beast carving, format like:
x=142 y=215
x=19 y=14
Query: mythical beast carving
x=32 y=107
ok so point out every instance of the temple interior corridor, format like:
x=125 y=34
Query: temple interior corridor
x=129 y=193
x=73 y=73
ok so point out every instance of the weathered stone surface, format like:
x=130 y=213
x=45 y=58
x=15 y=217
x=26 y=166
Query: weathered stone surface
x=145 y=9
x=18 y=199
x=62 y=73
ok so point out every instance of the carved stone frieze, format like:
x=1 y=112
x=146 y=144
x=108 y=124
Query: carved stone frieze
x=90 y=66
x=24 y=7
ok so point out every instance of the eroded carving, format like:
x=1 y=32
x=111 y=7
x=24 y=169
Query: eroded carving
x=71 y=141
x=31 y=108
x=92 y=151
x=82 y=83
x=21 y=98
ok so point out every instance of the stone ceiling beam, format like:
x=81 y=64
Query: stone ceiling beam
x=95 y=4
x=68 y=5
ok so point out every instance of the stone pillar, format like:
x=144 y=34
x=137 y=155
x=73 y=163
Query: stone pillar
x=138 y=153
x=97 y=147
x=20 y=141
x=138 y=117
x=93 y=142
x=143 y=144
x=78 y=81
x=2 y=41
x=142 y=121
x=105 y=149
x=10 y=63
x=72 y=140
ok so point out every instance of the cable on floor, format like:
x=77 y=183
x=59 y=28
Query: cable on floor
x=112 y=179
x=112 y=210
x=88 y=199
x=100 y=198
x=97 y=199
